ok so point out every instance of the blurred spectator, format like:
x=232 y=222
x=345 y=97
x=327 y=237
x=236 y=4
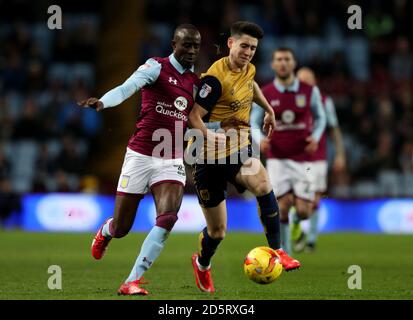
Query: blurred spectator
x=29 y=125
x=4 y=165
x=381 y=159
x=45 y=168
x=406 y=157
x=69 y=159
x=401 y=60
x=10 y=201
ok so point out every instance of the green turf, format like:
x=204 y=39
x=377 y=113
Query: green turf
x=386 y=262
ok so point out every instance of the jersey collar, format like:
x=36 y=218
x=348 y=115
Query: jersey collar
x=177 y=65
x=282 y=89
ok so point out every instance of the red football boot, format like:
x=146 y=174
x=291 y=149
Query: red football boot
x=203 y=278
x=287 y=262
x=132 y=289
x=100 y=244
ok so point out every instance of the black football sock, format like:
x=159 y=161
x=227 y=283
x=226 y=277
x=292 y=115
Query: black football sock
x=270 y=218
x=207 y=247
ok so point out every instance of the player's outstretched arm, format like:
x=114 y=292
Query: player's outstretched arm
x=146 y=74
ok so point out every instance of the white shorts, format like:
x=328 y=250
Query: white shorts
x=140 y=172
x=320 y=170
x=289 y=175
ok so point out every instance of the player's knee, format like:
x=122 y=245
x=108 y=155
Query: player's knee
x=304 y=212
x=262 y=188
x=217 y=233
x=166 y=220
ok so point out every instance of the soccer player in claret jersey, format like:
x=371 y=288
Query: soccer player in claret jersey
x=300 y=123
x=167 y=86
x=320 y=166
x=228 y=89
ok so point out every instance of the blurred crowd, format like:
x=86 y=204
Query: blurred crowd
x=46 y=140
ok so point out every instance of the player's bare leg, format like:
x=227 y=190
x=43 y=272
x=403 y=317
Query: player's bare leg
x=209 y=239
x=118 y=226
x=168 y=198
x=259 y=184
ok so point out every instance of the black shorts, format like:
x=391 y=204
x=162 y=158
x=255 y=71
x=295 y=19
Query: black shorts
x=211 y=180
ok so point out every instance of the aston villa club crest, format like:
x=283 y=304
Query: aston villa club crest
x=205 y=90
x=181 y=103
x=300 y=100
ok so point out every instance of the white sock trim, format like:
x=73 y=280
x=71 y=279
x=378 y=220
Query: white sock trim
x=201 y=267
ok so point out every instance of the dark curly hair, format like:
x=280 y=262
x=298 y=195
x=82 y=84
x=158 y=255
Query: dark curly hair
x=245 y=27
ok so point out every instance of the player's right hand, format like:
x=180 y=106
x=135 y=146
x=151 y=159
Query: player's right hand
x=269 y=123
x=265 y=145
x=311 y=146
x=93 y=103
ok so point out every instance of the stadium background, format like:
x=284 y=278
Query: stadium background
x=59 y=164
x=48 y=144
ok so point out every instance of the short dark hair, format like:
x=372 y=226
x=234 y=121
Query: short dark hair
x=245 y=27
x=183 y=26
x=284 y=49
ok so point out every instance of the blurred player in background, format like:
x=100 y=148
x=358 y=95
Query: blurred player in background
x=300 y=124
x=228 y=89
x=320 y=166
x=168 y=85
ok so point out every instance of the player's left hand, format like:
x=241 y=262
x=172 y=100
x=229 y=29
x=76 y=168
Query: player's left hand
x=311 y=146
x=93 y=103
x=339 y=163
x=269 y=123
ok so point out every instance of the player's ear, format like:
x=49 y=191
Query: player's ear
x=173 y=44
x=294 y=64
x=230 y=42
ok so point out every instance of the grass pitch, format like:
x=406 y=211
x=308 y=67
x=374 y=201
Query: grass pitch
x=386 y=262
